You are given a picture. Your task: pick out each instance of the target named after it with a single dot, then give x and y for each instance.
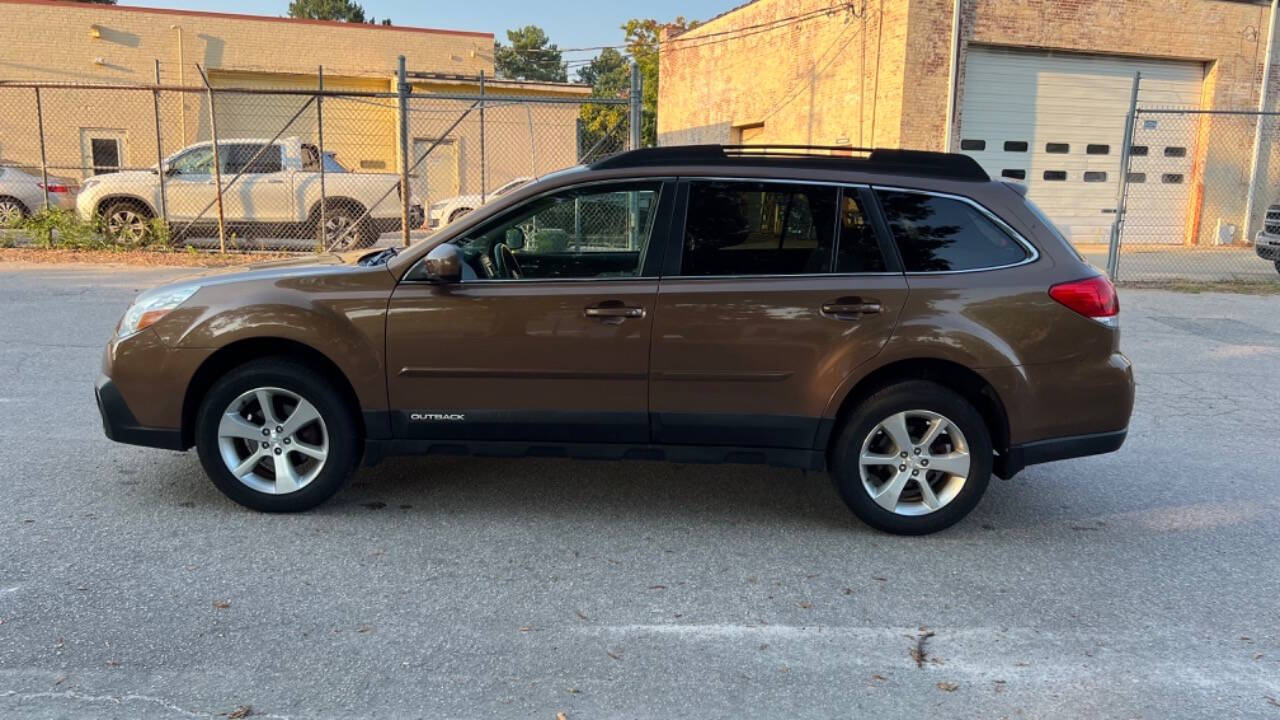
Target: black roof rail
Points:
(827, 157)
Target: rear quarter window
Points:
(944, 234)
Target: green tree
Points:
(642, 45)
(530, 56)
(344, 10)
(604, 128)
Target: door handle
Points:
(274, 182)
(851, 308)
(614, 311)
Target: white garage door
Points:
(1056, 121)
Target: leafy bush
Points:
(55, 228)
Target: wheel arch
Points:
(105, 201)
(335, 201)
(952, 375)
(248, 350)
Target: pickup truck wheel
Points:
(914, 458)
(343, 232)
(126, 221)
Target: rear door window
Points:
(253, 158)
(758, 228)
(941, 234)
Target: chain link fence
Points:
(233, 167)
(1195, 200)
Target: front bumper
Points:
(121, 426)
(1267, 246)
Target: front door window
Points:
(598, 231)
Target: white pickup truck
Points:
(276, 196)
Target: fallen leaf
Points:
(113, 663)
(240, 713)
(1272, 700)
(1257, 657)
(364, 629)
(878, 579)
(574, 691)
(221, 604)
(847, 591)
(878, 677)
(60, 680)
(612, 654)
(581, 616)
(526, 628)
(948, 686)
(657, 587)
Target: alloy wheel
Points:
(339, 232)
(10, 213)
(127, 224)
(914, 462)
(273, 440)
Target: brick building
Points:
(88, 131)
(1040, 93)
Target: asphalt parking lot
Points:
(1141, 584)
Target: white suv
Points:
(277, 194)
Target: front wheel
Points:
(273, 435)
(913, 458)
(1278, 266)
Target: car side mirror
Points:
(514, 239)
(443, 264)
(170, 171)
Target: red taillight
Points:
(1093, 297)
(53, 187)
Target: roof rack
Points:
(845, 157)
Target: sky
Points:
(569, 23)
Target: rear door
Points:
(772, 293)
(262, 194)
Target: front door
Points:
(546, 338)
(776, 292)
(189, 190)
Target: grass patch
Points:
(1195, 287)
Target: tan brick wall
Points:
(808, 82)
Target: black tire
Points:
(365, 232)
(17, 207)
(135, 209)
(908, 396)
(339, 420)
(1278, 266)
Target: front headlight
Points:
(153, 305)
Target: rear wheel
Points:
(274, 435)
(913, 458)
(11, 211)
(346, 227)
(126, 221)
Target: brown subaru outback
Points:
(895, 317)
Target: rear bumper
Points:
(121, 426)
(1065, 448)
